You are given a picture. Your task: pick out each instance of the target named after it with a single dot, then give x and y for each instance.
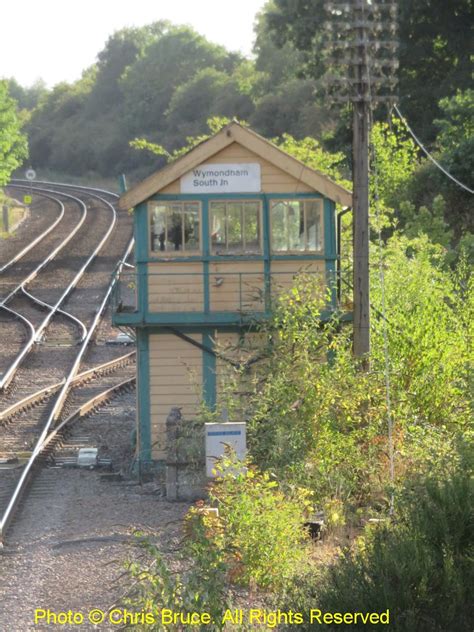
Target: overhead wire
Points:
(427, 153)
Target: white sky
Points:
(57, 39)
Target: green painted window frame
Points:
(274, 200)
(247, 200)
(166, 254)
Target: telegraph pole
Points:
(360, 200)
(361, 50)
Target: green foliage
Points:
(430, 318)
(434, 49)
(214, 125)
(396, 160)
(324, 424)
(13, 144)
(261, 528)
(425, 221)
(311, 153)
(316, 423)
(257, 539)
(171, 61)
(210, 90)
(419, 566)
(27, 98)
(200, 587)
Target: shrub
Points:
(257, 540)
(419, 566)
(261, 527)
(200, 587)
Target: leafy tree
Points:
(27, 98)
(13, 143)
(176, 57)
(435, 49)
(210, 90)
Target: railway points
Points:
(59, 291)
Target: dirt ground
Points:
(67, 547)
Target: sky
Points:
(57, 39)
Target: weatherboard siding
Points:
(284, 274)
(175, 287)
(236, 286)
(175, 380)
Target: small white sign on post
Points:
(218, 435)
(30, 174)
(223, 178)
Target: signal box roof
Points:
(235, 133)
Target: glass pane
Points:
(175, 230)
(191, 230)
(158, 228)
(295, 227)
(313, 225)
(251, 227)
(278, 219)
(234, 227)
(217, 227)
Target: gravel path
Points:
(68, 544)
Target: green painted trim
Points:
(200, 320)
(205, 250)
(306, 257)
(209, 378)
(224, 258)
(231, 196)
(142, 287)
(267, 253)
(142, 233)
(143, 397)
(330, 250)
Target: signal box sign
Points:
(27, 199)
(223, 178)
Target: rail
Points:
(63, 392)
(10, 372)
(40, 237)
(81, 378)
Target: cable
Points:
(435, 162)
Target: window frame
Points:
(166, 254)
(258, 252)
(276, 200)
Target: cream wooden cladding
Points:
(175, 380)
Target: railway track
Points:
(39, 416)
(33, 319)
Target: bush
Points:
(257, 540)
(323, 424)
(262, 527)
(419, 566)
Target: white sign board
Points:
(218, 436)
(30, 174)
(223, 178)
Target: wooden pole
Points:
(360, 176)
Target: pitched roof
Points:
(234, 132)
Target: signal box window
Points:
(175, 227)
(235, 228)
(296, 226)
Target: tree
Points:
(13, 143)
(27, 98)
(175, 58)
(209, 91)
(435, 49)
